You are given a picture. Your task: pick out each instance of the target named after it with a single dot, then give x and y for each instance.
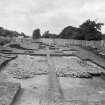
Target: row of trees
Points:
(47, 34)
(88, 30)
(8, 33)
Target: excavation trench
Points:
(38, 87)
(41, 86)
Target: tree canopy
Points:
(47, 34)
(91, 30)
(69, 32)
(36, 34)
(8, 33)
(88, 30)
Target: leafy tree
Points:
(90, 30)
(46, 34)
(22, 34)
(69, 33)
(8, 33)
(36, 34)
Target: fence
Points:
(63, 42)
(68, 42)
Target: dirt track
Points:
(54, 94)
(55, 91)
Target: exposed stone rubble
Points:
(28, 67)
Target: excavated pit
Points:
(32, 73)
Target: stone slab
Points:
(8, 91)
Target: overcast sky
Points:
(53, 15)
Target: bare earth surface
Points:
(54, 80)
(8, 92)
(37, 88)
